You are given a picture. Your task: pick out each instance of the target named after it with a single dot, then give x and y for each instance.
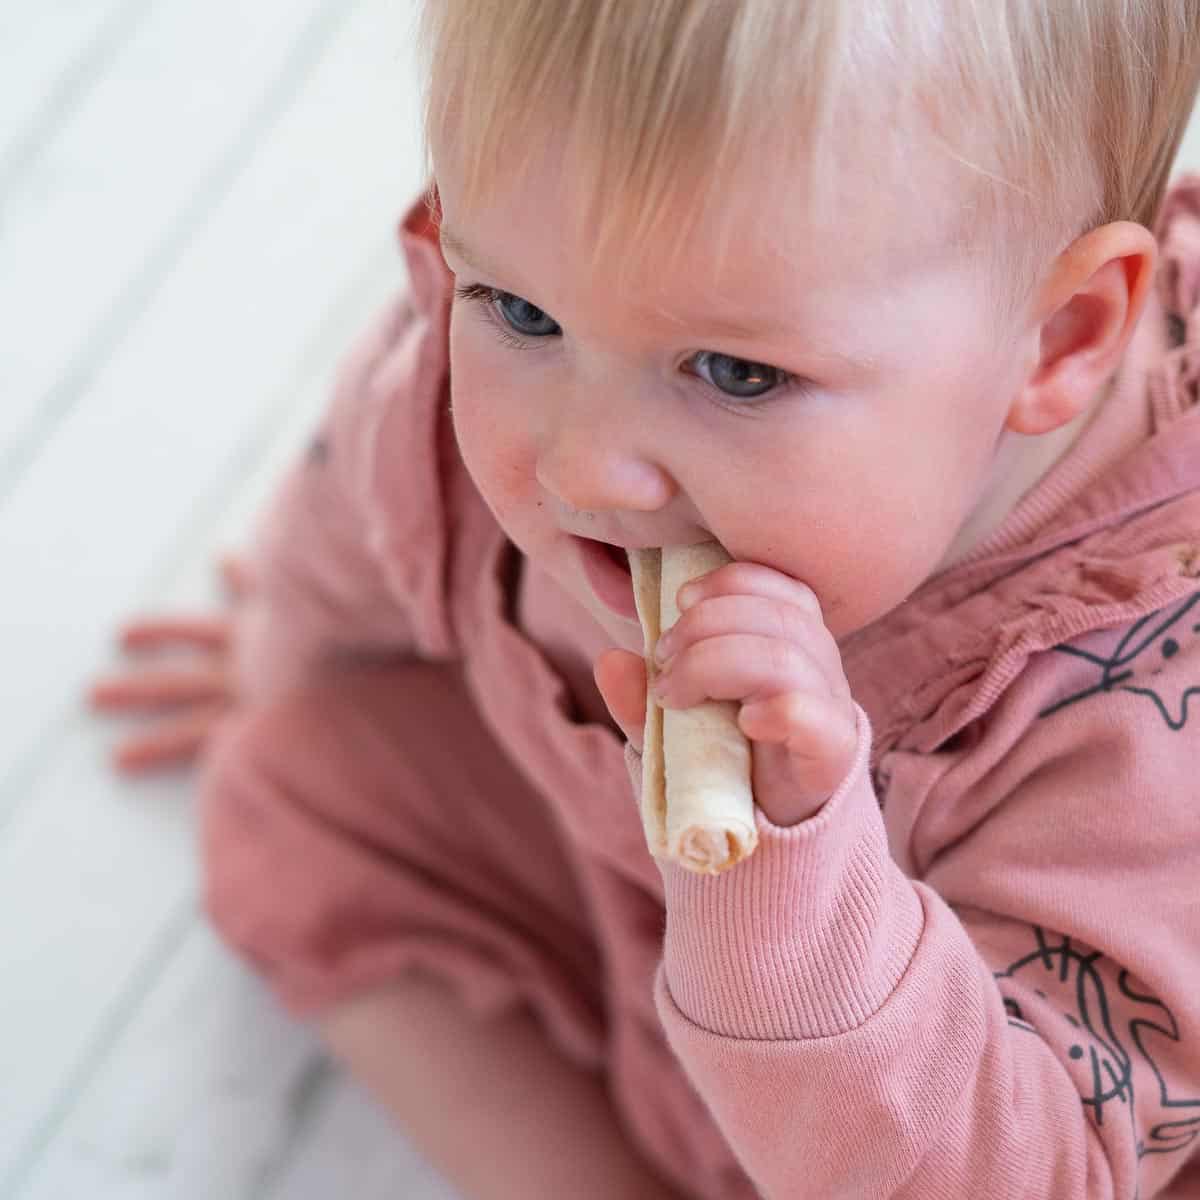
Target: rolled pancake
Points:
(697, 804)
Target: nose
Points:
(598, 465)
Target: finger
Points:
(809, 727)
(235, 574)
(148, 633)
(752, 579)
(816, 738)
(153, 689)
(765, 615)
(621, 677)
(178, 740)
(745, 667)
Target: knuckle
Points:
(708, 666)
(701, 656)
(781, 655)
(684, 629)
(734, 576)
(799, 712)
(789, 625)
(807, 599)
(703, 620)
(755, 578)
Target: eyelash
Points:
(484, 298)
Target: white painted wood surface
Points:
(197, 204)
(198, 212)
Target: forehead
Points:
(756, 235)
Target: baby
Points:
(894, 303)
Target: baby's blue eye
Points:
(738, 376)
(527, 319)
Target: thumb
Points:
(621, 677)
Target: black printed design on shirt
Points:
(1139, 656)
(1176, 330)
(1115, 1028)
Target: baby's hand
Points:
(201, 691)
(752, 634)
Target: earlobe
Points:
(1093, 299)
(1043, 408)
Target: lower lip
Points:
(612, 586)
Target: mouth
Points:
(615, 554)
(606, 568)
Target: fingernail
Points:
(664, 649)
(686, 596)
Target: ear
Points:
(1084, 315)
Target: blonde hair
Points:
(1062, 114)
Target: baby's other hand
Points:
(197, 693)
(621, 677)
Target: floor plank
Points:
(213, 1092)
(352, 1149)
(52, 51)
(103, 213)
(197, 1099)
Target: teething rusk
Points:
(697, 805)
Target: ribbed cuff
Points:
(808, 936)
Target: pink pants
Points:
(369, 824)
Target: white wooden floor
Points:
(197, 204)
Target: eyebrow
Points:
(452, 242)
(719, 326)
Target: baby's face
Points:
(828, 403)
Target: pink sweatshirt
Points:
(976, 971)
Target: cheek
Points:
(491, 435)
(860, 508)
